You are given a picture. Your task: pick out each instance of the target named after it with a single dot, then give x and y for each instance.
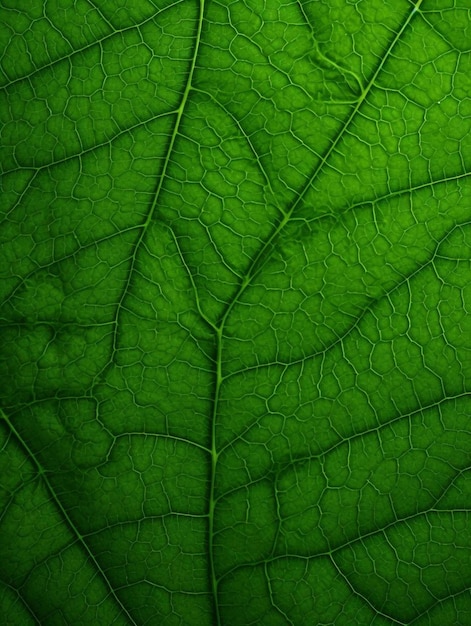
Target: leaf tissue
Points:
(235, 312)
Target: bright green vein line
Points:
(262, 253)
(180, 112)
(218, 381)
(74, 530)
(350, 118)
(158, 191)
(88, 46)
(250, 274)
(214, 459)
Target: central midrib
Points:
(255, 266)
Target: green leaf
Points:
(235, 321)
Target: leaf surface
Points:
(235, 286)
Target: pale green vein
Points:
(43, 475)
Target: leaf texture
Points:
(235, 286)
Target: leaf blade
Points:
(235, 295)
